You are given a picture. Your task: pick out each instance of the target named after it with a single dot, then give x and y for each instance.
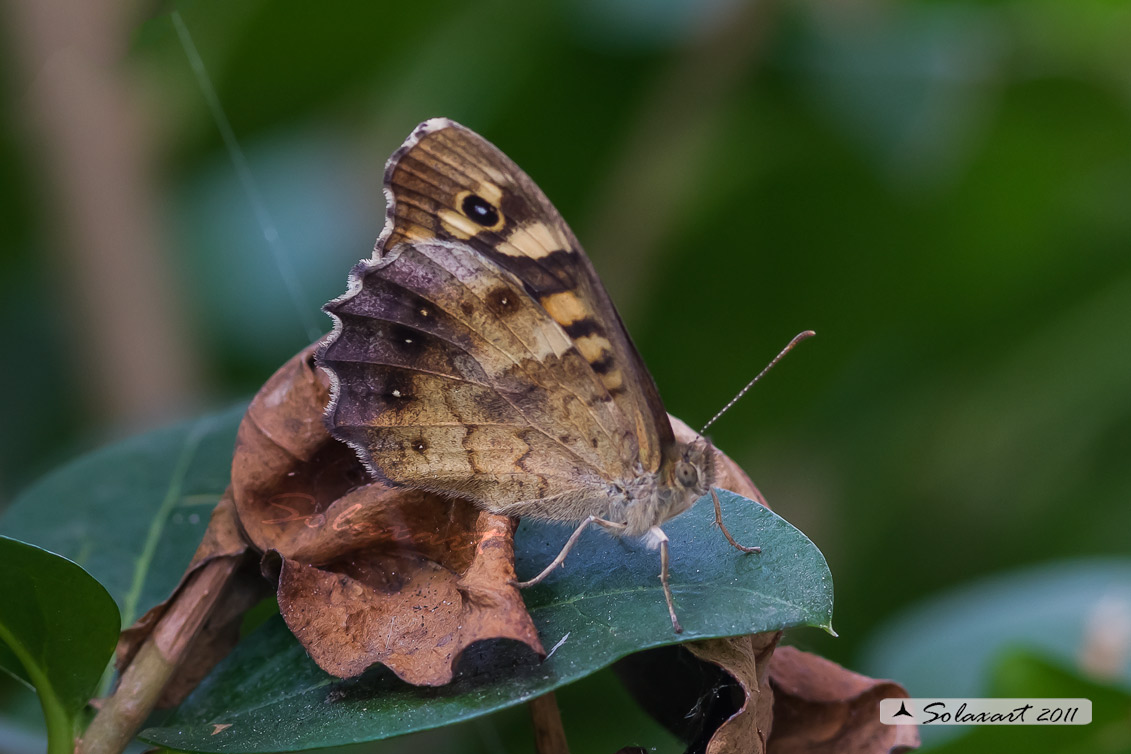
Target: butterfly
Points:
(478, 355)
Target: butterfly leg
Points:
(719, 523)
(657, 535)
(612, 526)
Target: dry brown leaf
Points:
(689, 697)
(365, 573)
(368, 573)
(287, 470)
(410, 603)
(746, 659)
(224, 537)
(735, 696)
(222, 540)
(821, 707)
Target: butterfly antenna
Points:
(789, 347)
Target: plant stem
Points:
(549, 735)
(59, 722)
(142, 682)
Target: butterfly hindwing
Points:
(450, 377)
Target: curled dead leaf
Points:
(368, 573)
(744, 694)
(746, 659)
(364, 573)
(822, 707)
(286, 470)
(222, 541)
(410, 602)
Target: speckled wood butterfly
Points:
(478, 355)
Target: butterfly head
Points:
(687, 473)
(690, 475)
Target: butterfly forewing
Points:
(448, 183)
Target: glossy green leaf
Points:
(61, 626)
(605, 603)
(133, 513)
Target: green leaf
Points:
(133, 513)
(61, 625)
(1021, 674)
(605, 603)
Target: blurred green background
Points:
(942, 190)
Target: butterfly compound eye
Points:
(686, 473)
(480, 210)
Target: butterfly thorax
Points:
(650, 499)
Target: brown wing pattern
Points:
(450, 184)
(451, 378)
